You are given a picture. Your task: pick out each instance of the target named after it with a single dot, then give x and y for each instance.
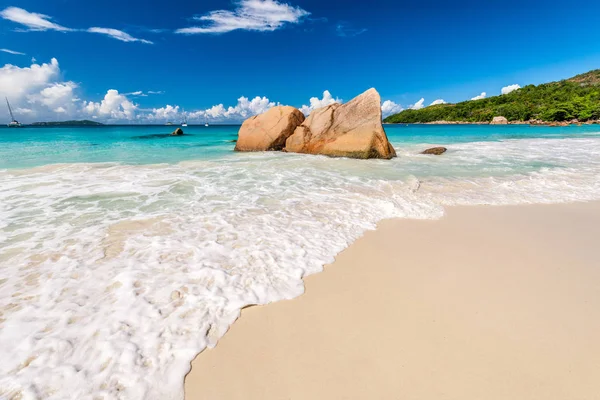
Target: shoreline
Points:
(488, 302)
(531, 123)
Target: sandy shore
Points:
(486, 303)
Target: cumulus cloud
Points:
(251, 15)
(481, 96)
(17, 82)
(315, 102)
(510, 88)
(33, 21)
(117, 34)
(18, 53)
(59, 97)
(438, 101)
(114, 106)
(166, 113)
(418, 105)
(37, 92)
(389, 107)
(243, 109)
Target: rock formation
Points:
(499, 121)
(435, 151)
(177, 132)
(350, 130)
(269, 130)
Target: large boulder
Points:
(351, 130)
(499, 121)
(177, 132)
(269, 130)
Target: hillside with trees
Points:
(566, 100)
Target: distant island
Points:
(574, 100)
(84, 122)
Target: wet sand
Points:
(486, 303)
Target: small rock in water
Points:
(177, 132)
(435, 151)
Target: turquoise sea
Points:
(35, 146)
(125, 251)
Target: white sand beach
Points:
(486, 303)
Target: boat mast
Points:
(12, 117)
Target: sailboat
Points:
(13, 122)
(184, 122)
(206, 122)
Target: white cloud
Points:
(510, 88)
(418, 105)
(37, 91)
(22, 110)
(18, 53)
(117, 34)
(315, 102)
(59, 97)
(167, 113)
(57, 93)
(140, 93)
(481, 96)
(243, 109)
(438, 101)
(17, 82)
(33, 21)
(214, 112)
(252, 15)
(389, 107)
(114, 106)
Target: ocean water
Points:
(124, 252)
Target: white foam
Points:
(113, 277)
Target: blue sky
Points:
(286, 52)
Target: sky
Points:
(136, 61)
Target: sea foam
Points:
(113, 277)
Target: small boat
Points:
(13, 122)
(206, 122)
(184, 122)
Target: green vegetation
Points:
(68, 123)
(574, 98)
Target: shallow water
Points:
(123, 254)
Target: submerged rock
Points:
(177, 132)
(350, 130)
(269, 130)
(499, 121)
(435, 151)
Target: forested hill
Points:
(84, 122)
(574, 98)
